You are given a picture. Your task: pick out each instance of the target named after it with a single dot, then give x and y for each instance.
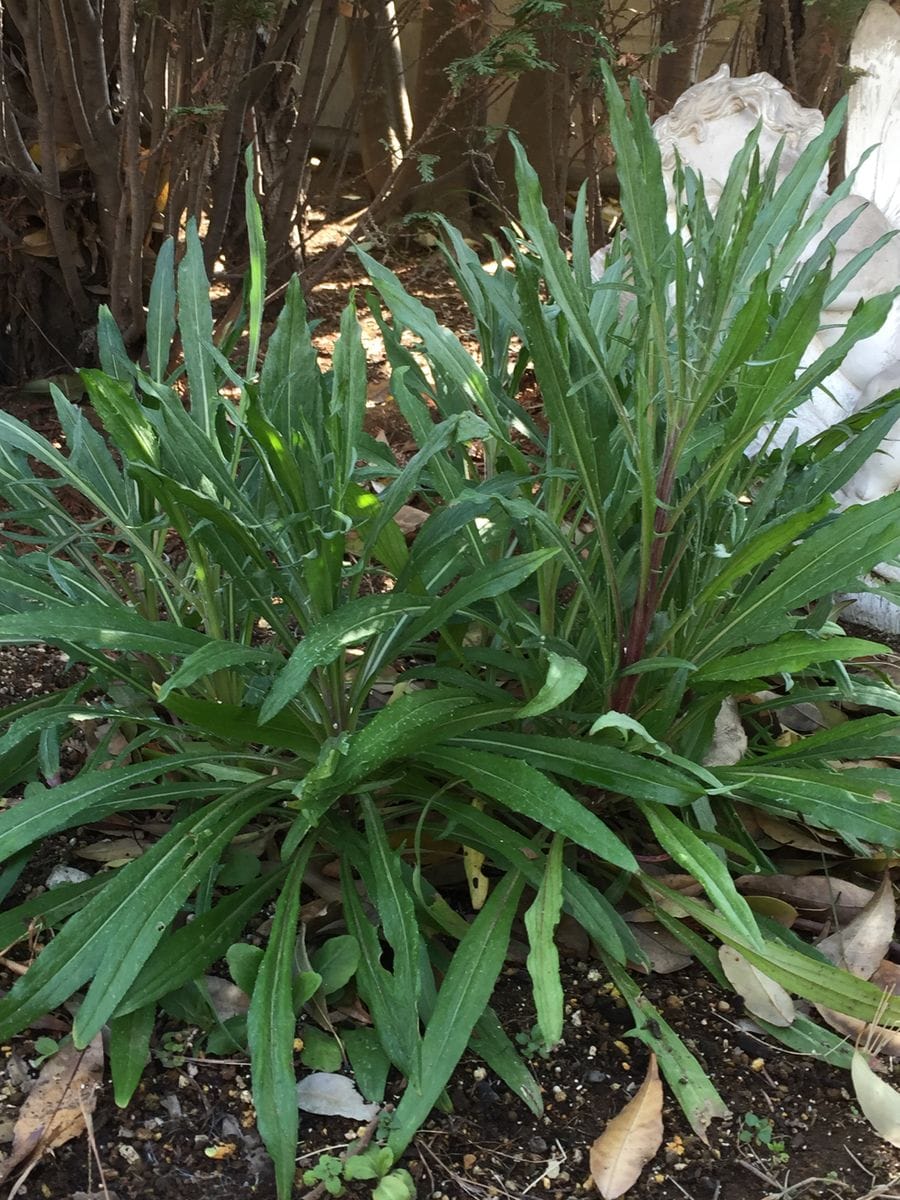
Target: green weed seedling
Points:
(760, 1132)
(372, 1164)
(44, 1048)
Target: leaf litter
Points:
(57, 1108)
(630, 1139)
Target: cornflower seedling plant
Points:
(527, 690)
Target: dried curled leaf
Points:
(729, 741)
(630, 1139)
(878, 1101)
(763, 997)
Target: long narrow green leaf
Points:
(699, 1100)
(161, 311)
(151, 891)
(541, 920)
(859, 805)
(49, 909)
(257, 274)
(581, 900)
(604, 767)
(524, 790)
(112, 627)
(187, 951)
(271, 1024)
(346, 626)
(465, 991)
(92, 796)
(698, 859)
(394, 906)
(831, 559)
(214, 656)
(196, 325)
(129, 1050)
(790, 653)
(821, 982)
(395, 1019)
(140, 900)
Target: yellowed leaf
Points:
(763, 997)
(112, 850)
(473, 860)
(630, 1139)
(863, 942)
(770, 906)
(878, 1101)
(56, 1108)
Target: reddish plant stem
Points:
(648, 601)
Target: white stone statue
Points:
(706, 128)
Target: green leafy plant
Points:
(372, 1164)
(554, 646)
(760, 1132)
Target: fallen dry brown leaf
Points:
(857, 1031)
(887, 977)
(663, 949)
(763, 997)
(814, 895)
(56, 1108)
(863, 942)
(787, 834)
(880, 1103)
(630, 1139)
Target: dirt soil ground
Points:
(190, 1131)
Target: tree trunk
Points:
(438, 172)
(685, 25)
(805, 45)
(540, 113)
